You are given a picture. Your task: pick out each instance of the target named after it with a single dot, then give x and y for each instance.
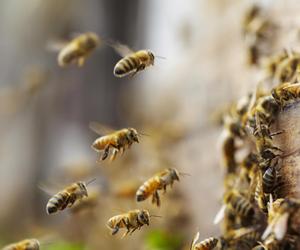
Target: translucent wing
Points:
(121, 49)
(56, 45)
(100, 129)
(220, 215)
(196, 238)
(280, 226)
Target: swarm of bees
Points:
(254, 215)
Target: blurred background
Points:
(45, 111)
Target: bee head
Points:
(144, 217)
(133, 135)
(174, 174)
(92, 40)
(83, 188)
(151, 56)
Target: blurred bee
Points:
(279, 213)
(118, 140)
(271, 63)
(247, 240)
(131, 220)
(28, 244)
(288, 69)
(126, 190)
(229, 152)
(77, 50)
(67, 197)
(286, 93)
(132, 61)
(157, 182)
(207, 244)
(238, 203)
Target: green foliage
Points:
(64, 246)
(160, 240)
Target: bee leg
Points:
(155, 198)
(133, 230)
(105, 153)
(115, 230)
(114, 154)
(80, 61)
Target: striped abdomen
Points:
(207, 244)
(269, 180)
(102, 142)
(29, 244)
(241, 205)
(127, 65)
(57, 202)
(69, 54)
(148, 188)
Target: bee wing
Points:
(267, 231)
(56, 45)
(46, 189)
(280, 226)
(122, 49)
(100, 129)
(220, 215)
(292, 85)
(196, 238)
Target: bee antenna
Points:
(184, 174)
(91, 181)
(157, 216)
(143, 134)
(161, 57)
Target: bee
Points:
(132, 61)
(238, 203)
(28, 244)
(248, 240)
(279, 213)
(131, 220)
(262, 115)
(271, 64)
(117, 140)
(288, 69)
(269, 179)
(67, 197)
(207, 244)
(157, 182)
(259, 195)
(228, 147)
(77, 50)
(286, 93)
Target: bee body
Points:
(133, 63)
(132, 220)
(286, 93)
(269, 179)
(154, 184)
(78, 49)
(239, 204)
(207, 244)
(117, 140)
(67, 197)
(28, 244)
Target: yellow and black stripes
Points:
(269, 180)
(207, 244)
(57, 202)
(126, 65)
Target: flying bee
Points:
(279, 213)
(157, 182)
(67, 197)
(207, 244)
(238, 203)
(286, 93)
(132, 61)
(131, 220)
(28, 244)
(77, 50)
(117, 140)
